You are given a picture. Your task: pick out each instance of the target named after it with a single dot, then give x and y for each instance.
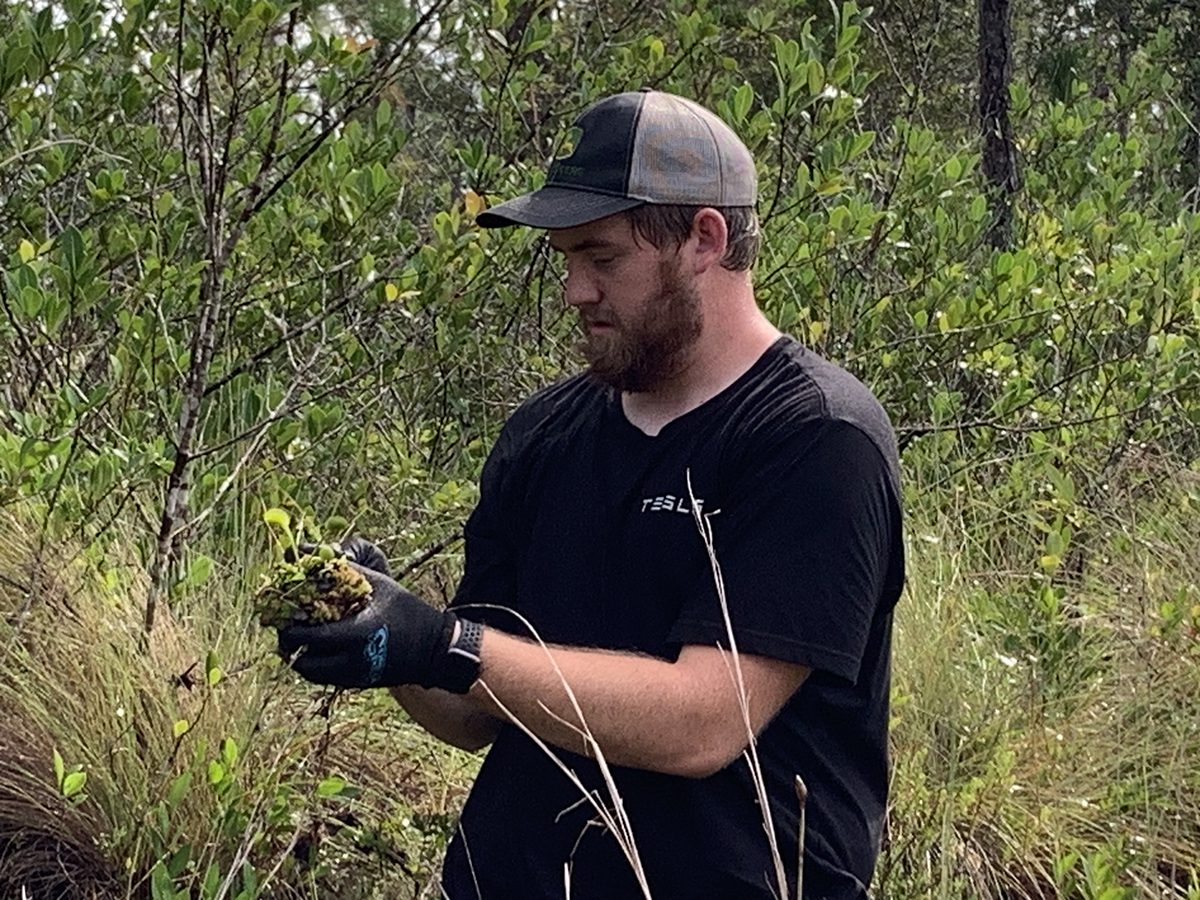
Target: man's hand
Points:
(397, 639)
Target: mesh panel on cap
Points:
(684, 154)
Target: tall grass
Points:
(1046, 730)
(227, 784)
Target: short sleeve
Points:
(804, 539)
(489, 571)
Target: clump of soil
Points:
(317, 588)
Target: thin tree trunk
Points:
(999, 150)
(1188, 41)
(210, 157)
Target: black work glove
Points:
(358, 549)
(395, 639)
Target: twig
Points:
(751, 752)
(802, 803)
(427, 554)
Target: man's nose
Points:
(579, 290)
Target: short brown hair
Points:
(662, 224)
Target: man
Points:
(695, 414)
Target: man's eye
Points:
(604, 262)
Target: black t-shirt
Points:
(584, 526)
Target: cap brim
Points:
(554, 207)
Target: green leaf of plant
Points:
(743, 99)
(212, 882)
(160, 883)
(179, 860)
(59, 769)
(331, 786)
(178, 788)
(278, 518)
(199, 570)
(862, 142)
(180, 728)
(73, 783)
(71, 242)
(249, 878)
(816, 77)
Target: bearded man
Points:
(592, 641)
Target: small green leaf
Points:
(73, 783)
(249, 879)
(743, 99)
(277, 517)
(180, 728)
(163, 203)
(160, 883)
(216, 772)
(229, 752)
(816, 77)
(199, 570)
(212, 882)
(71, 242)
(59, 769)
(861, 143)
(179, 860)
(178, 788)
(383, 114)
(331, 786)
(26, 251)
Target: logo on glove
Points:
(375, 653)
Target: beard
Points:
(638, 356)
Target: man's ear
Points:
(709, 239)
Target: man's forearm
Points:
(641, 711)
(453, 718)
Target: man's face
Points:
(640, 313)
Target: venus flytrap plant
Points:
(307, 587)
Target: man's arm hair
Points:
(679, 718)
(453, 718)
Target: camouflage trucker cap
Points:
(635, 148)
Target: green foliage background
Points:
(240, 271)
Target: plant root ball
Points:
(312, 590)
